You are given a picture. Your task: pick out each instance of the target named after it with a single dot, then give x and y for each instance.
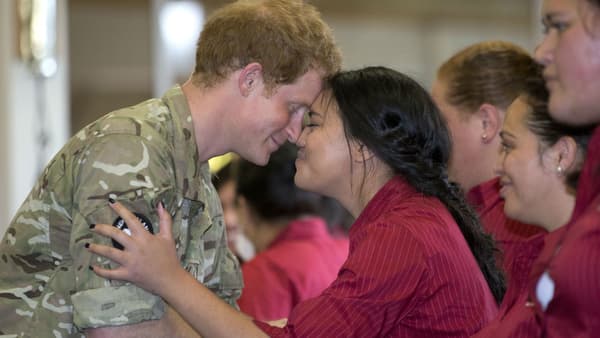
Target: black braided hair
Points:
(397, 120)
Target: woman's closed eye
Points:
(309, 121)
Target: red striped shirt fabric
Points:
(511, 236)
(409, 273)
(300, 263)
(517, 316)
(573, 264)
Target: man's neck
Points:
(209, 108)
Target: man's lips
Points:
(549, 77)
(277, 142)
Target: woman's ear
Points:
(360, 152)
(491, 121)
(250, 77)
(562, 156)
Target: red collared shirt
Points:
(409, 273)
(510, 235)
(517, 316)
(302, 261)
(571, 268)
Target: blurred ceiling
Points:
(500, 9)
(495, 9)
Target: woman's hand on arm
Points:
(150, 261)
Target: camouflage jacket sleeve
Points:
(138, 173)
(205, 253)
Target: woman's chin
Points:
(300, 179)
(511, 212)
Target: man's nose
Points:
(294, 128)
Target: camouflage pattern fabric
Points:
(139, 156)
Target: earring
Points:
(484, 137)
(560, 170)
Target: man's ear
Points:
(250, 77)
(490, 118)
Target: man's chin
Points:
(262, 160)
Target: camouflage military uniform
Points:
(139, 156)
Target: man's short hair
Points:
(287, 37)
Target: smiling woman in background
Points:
(539, 166)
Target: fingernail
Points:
(87, 245)
(92, 226)
(111, 200)
(162, 204)
(91, 267)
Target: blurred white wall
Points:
(418, 40)
(415, 47)
(174, 44)
(20, 121)
(6, 20)
(110, 56)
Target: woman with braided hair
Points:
(419, 264)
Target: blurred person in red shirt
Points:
(297, 257)
(224, 181)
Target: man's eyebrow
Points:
(551, 16)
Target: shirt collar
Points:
(395, 189)
(190, 172)
(485, 195)
(589, 180)
(306, 228)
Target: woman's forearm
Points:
(206, 312)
